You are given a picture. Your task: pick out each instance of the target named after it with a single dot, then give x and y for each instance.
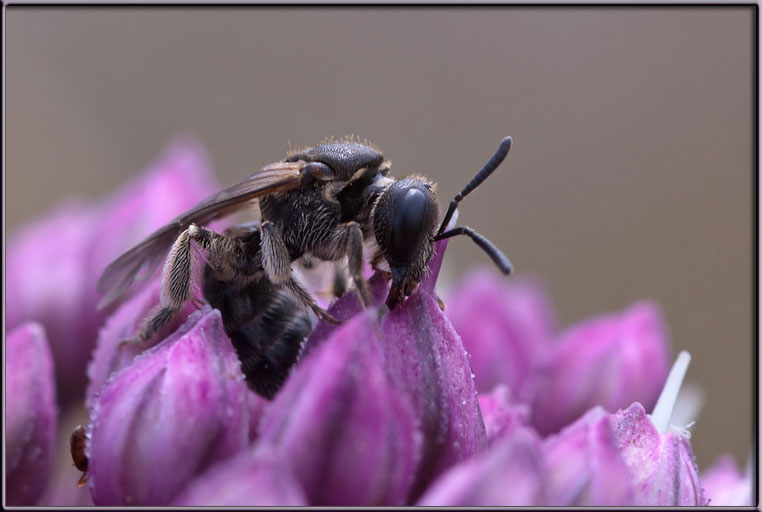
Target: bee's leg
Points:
(355, 260)
(347, 239)
(277, 264)
(176, 278)
(339, 284)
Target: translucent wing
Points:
(146, 256)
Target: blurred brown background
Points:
(630, 175)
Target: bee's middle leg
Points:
(176, 277)
(277, 265)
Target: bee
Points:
(333, 202)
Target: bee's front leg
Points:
(277, 265)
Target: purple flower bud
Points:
(349, 436)
(611, 361)
(49, 287)
(175, 410)
(511, 473)
(65, 300)
(658, 455)
(110, 354)
(252, 479)
(725, 485)
(662, 465)
(426, 360)
(506, 326)
(502, 416)
(585, 466)
(30, 414)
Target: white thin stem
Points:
(666, 403)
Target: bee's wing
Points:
(120, 274)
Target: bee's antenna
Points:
(492, 251)
(489, 168)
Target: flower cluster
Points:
(484, 403)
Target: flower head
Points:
(381, 410)
(30, 414)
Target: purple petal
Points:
(611, 361)
(110, 355)
(724, 485)
(662, 466)
(343, 309)
(426, 360)
(502, 416)
(510, 474)
(505, 324)
(348, 435)
(30, 414)
(174, 411)
(253, 479)
(585, 466)
(65, 300)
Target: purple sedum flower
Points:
(256, 478)
(30, 413)
(585, 466)
(175, 410)
(511, 473)
(58, 288)
(611, 360)
(505, 324)
(725, 485)
(349, 436)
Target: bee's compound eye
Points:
(407, 226)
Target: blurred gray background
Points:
(630, 175)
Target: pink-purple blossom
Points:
(486, 403)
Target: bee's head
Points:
(404, 221)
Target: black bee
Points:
(330, 202)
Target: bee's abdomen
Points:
(266, 327)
